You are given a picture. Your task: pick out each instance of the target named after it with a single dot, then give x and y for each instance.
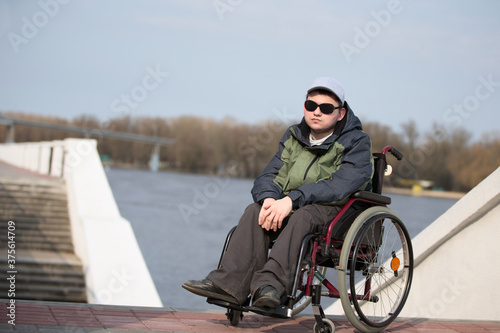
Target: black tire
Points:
(382, 245)
(234, 316)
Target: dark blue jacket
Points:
(324, 174)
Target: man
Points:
(320, 162)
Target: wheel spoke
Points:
(376, 239)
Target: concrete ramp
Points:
(456, 267)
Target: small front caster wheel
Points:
(329, 327)
(234, 316)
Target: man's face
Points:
(322, 124)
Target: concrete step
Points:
(53, 240)
(24, 199)
(44, 235)
(39, 293)
(35, 239)
(45, 246)
(45, 230)
(49, 234)
(42, 226)
(53, 271)
(52, 185)
(46, 275)
(41, 278)
(21, 220)
(45, 210)
(47, 268)
(33, 185)
(29, 197)
(34, 203)
(57, 274)
(45, 213)
(35, 207)
(47, 261)
(38, 202)
(18, 193)
(50, 190)
(19, 217)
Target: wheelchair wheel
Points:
(329, 327)
(234, 316)
(376, 269)
(303, 301)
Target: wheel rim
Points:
(385, 262)
(363, 322)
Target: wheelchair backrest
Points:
(372, 237)
(340, 229)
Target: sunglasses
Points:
(325, 108)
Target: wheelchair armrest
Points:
(370, 196)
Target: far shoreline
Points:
(424, 193)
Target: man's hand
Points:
(273, 212)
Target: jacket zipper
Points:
(310, 165)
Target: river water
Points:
(181, 221)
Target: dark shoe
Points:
(266, 297)
(208, 289)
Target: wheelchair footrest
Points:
(227, 305)
(279, 312)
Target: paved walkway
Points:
(52, 317)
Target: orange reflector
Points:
(395, 263)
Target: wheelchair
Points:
(372, 252)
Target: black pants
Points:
(246, 266)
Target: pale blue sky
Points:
(430, 61)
